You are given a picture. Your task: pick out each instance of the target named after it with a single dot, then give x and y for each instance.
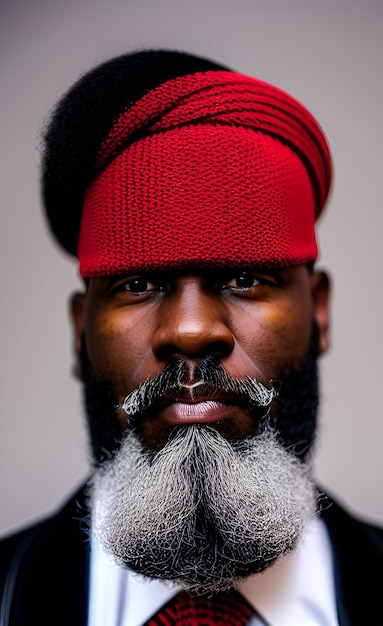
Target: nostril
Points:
(220, 348)
(217, 342)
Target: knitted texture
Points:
(221, 610)
(83, 117)
(209, 169)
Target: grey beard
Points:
(203, 512)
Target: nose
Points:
(192, 322)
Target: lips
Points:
(196, 402)
(201, 404)
(186, 412)
(232, 407)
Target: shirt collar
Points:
(298, 588)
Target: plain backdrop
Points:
(329, 55)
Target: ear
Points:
(320, 289)
(77, 314)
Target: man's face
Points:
(255, 324)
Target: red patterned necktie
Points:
(223, 609)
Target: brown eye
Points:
(138, 285)
(244, 280)
(248, 281)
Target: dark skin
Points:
(257, 323)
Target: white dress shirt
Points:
(298, 590)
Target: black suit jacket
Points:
(44, 570)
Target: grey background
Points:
(329, 55)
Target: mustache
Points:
(206, 380)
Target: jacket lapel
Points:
(358, 567)
(49, 571)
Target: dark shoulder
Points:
(357, 547)
(66, 520)
(18, 542)
(344, 525)
(42, 565)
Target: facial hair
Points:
(206, 379)
(202, 512)
(295, 421)
(205, 512)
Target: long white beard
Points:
(203, 511)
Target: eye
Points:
(141, 285)
(251, 282)
(244, 280)
(134, 286)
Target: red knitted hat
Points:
(209, 169)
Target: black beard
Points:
(295, 421)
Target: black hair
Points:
(82, 119)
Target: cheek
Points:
(291, 340)
(117, 346)
(276, 339)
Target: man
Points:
(189, 194)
